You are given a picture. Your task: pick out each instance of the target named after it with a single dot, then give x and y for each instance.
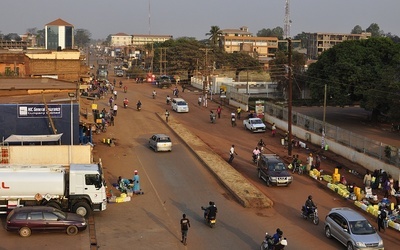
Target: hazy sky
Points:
(194, 18)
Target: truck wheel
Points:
(25, 232)
(259, 174)
(54, 205)
(72, 230)
(82, 208)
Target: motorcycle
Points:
(138, 107)
(268, 243)
(233, 121)
(313, 215)
(298, 168)
(126, 104)
(211, 221)
(154, 95)
(212, 118)
(125, 89)
(256, 158)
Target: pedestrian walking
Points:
(273, 129)
(310, 160)
(136, 182)
(166, 115)
(367, 179)
(199, 100)
(233, 119)
(110, 101)
(232, 153)
(115, 94)
(115, 109)
(185, 224)
(239, 111)
(219, 109)
(381, 219)
(112, 120)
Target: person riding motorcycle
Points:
(120, 84)
(138, 105)
(309, 205)
(125, 89)
(126, 101)
(256, 153)
(212, 116)
(211, 211)
(261, 143)
(277, 236)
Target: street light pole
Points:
(71, 97)
(323, 123)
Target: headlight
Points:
(381, 243)
(360, 244)
(273, 178)
(83, 223)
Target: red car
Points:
(40, 218)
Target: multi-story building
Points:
(241, 40)
(59, 35)
(141, 40)
(319, 42)
(121, 39)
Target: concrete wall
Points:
(364, 160)
(52, 154)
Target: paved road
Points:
(176, 182)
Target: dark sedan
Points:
(40, 218)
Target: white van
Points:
(180, 105)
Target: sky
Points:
(191, 18)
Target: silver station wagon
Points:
(160, 142)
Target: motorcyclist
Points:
(277, 236)
(120, 84)
(168, 99)
(126, 101)
(125, 89)
(309, 205)
(212, 116)
(138, 105)
(210, 211)
(256, 153)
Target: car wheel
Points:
(350, 246)
(25, 232)
(268, 182)
(82, 208)
(72, 230)
(328, 232)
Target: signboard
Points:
(260, 108)
(39, 111)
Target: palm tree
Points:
(214, 34)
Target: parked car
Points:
(254, 125)
(351, 229)
(273, 171)
(41, 218)
(160, 142)
(179, 105)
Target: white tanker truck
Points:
(79, 188)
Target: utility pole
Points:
(290, 99)
(205, 82)
(163, 61)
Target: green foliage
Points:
(82, 37)
(364, 71)
(275, 32)
(214, 34)
(357, 30)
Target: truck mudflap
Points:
(100, 206)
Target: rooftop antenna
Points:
(287, 21)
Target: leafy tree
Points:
(374, 30)
(12, 37)
(32, 31)
(240, 62)
(302, 37)
(275, 32)
(82, 37)
(108, 40)
(394, 38)
(40, 38)
(365, 71)
(357, 30)
(214, 34)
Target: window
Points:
(91, 179)
(35, 216)
(50, 216)
(21, 216)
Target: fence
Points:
(384, 152)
